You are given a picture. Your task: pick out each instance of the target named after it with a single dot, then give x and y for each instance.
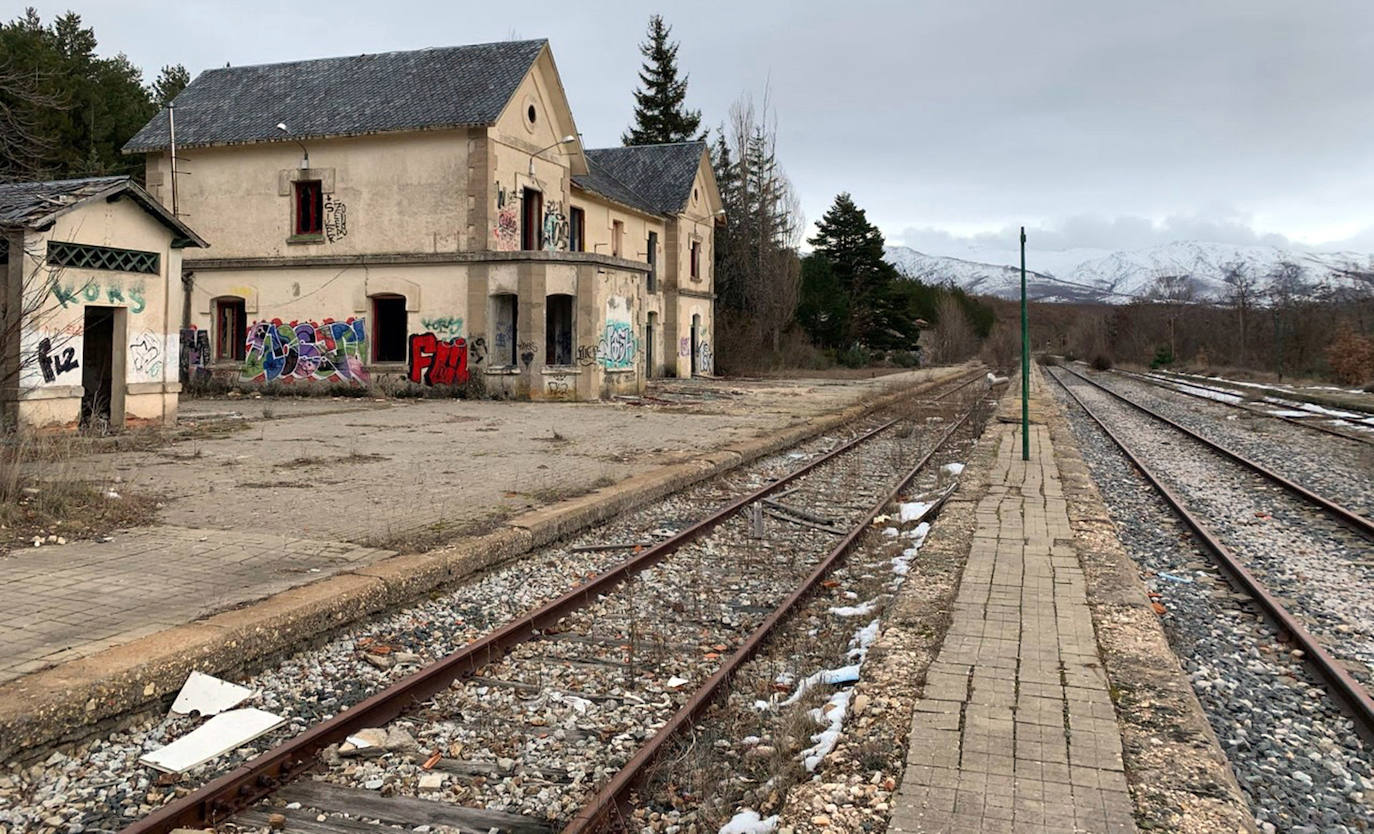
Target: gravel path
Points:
(1296, 757)
(1341, 470)
(99, 786)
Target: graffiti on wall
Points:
(335, 218)
(445, 327)
(526, 351)
(555, 227)
(684, 346)
(55, 361)
(705, 358)
(146, 356)
(195, 354)
(438, 361)
(477, 351)
(507, 228)
(616, 349)
(558, 387)
(331, 351)
(92, 292)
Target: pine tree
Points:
(659, 112)
(170, 81)
(854, 249)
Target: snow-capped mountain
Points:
(1119, 277)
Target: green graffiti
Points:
(91, 292)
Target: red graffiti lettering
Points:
(434, 361)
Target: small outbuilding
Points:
(91, 293)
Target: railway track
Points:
(628, 645)
(1258, 550)
(1235, 400)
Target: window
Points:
(309, 208)
(532, 225)
(652, 281)
(505, 318)
(577, 230)
(531, 114)
(231, 329)
(558, 330)
(389, 328)
(696, 260)
(81, 256)
(617, 237)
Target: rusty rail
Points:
(596, 815)
(1348, 691)
(261, 776)
(1345, 514)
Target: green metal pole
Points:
(1025, 358)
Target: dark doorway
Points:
(695, 321)
(558, 330)
(532, 220)
(97, 367)
(649, 345)
(389, 336)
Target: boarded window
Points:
(617, 238)
(231, 329)
(504, 321)
(577, 230)
(309, 207)
(389, 328)
(558, 330)
(696, 260)
(652, 285)
(81, 256)
(532, 223)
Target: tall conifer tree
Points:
(659, 112)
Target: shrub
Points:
(1102, 362)
(856, 356)
(1164, 355)
(905, 358)
(1351, 356)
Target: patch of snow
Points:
(915, 510)
(954, 469)
(862, 609)
(831, 714)
(749, 822)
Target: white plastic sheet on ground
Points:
(215, 737)
(208, 695)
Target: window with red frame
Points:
(309, 208)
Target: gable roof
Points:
(653, 178)
(423, 89)
(35, 205)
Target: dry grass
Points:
(42, 496)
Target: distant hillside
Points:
(1119, 277)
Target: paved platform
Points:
(317, 487)
(1015, 731)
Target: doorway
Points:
(696, 326)
(649, 345)
(98, 391)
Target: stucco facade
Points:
(92, 328)
(440, 253)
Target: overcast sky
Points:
(1096, 123)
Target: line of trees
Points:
(64, 110)
(773, 307)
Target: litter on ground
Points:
(208, 695)
(219, 735)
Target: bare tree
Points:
(24, 147)
(1241, 290)
(952, 339)
(30, 347)
(1176, 293)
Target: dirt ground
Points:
(398, 473)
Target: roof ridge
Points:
(702, 142)
(300, 61)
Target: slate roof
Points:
(653, 178)
(34, 205)
(360, 94)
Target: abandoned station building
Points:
(431, 215)
(91, 288)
